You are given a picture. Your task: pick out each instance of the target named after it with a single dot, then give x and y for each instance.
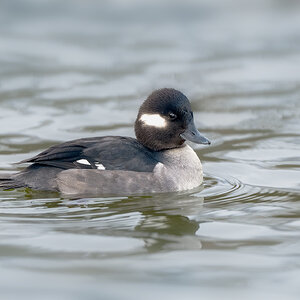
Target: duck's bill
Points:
(193, 135)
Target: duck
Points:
(158, 160)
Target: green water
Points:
(77, 69)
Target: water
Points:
(81, 68)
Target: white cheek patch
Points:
(99, 166)
(155, 120)
(83, 162)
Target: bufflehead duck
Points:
(158, 160)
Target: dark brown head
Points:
(165, 121)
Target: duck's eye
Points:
(172, 116)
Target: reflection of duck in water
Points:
(171, 224)
(167, 221)
(157, 161)
(162, 221)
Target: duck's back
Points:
(98, 154)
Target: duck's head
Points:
(165, 121)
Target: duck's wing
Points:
(102, 153)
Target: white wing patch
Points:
(99, 166)
(155, 120)
(83, 162)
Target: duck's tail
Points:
(8, 182)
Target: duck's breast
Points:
(180, 169)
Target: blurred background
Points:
(74, 68)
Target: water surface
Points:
(79, 69)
